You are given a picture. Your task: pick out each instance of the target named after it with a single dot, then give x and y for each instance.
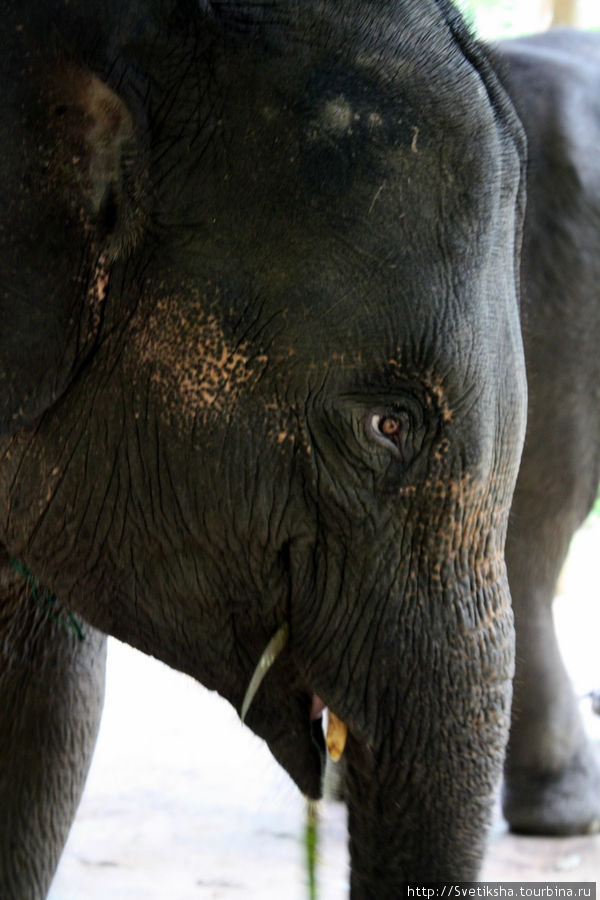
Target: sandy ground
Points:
(183, 802)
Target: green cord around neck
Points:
(48, 601)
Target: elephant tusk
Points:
(337, 732)
(269, 655)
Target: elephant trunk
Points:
(420, 800)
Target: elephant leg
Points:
(51, 693)
(552, 781)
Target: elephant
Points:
(295, 296)
(552, 783)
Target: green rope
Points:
(48, 602)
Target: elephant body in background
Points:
(263, 371)
(552, 783)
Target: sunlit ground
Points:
(183, 802)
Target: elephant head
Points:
(262, 368)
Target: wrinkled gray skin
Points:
(261, 361)
(552, 783)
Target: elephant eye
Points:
(392, 429)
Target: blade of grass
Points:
(311, 843)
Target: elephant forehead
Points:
(191, 363)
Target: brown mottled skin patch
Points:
(431, 382)
(193, 362)
(98, 290)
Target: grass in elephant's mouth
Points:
(311, 843)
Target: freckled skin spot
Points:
(415, 139)
(435, 386)
(98, 289)
(337, 116)
(193, 365)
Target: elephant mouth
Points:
(317, 707)
(297, 738)
(289, 720)
(300, 749)
(282, 710)
(298, 743)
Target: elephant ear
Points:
(70, 199)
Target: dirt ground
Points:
(183, 802)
